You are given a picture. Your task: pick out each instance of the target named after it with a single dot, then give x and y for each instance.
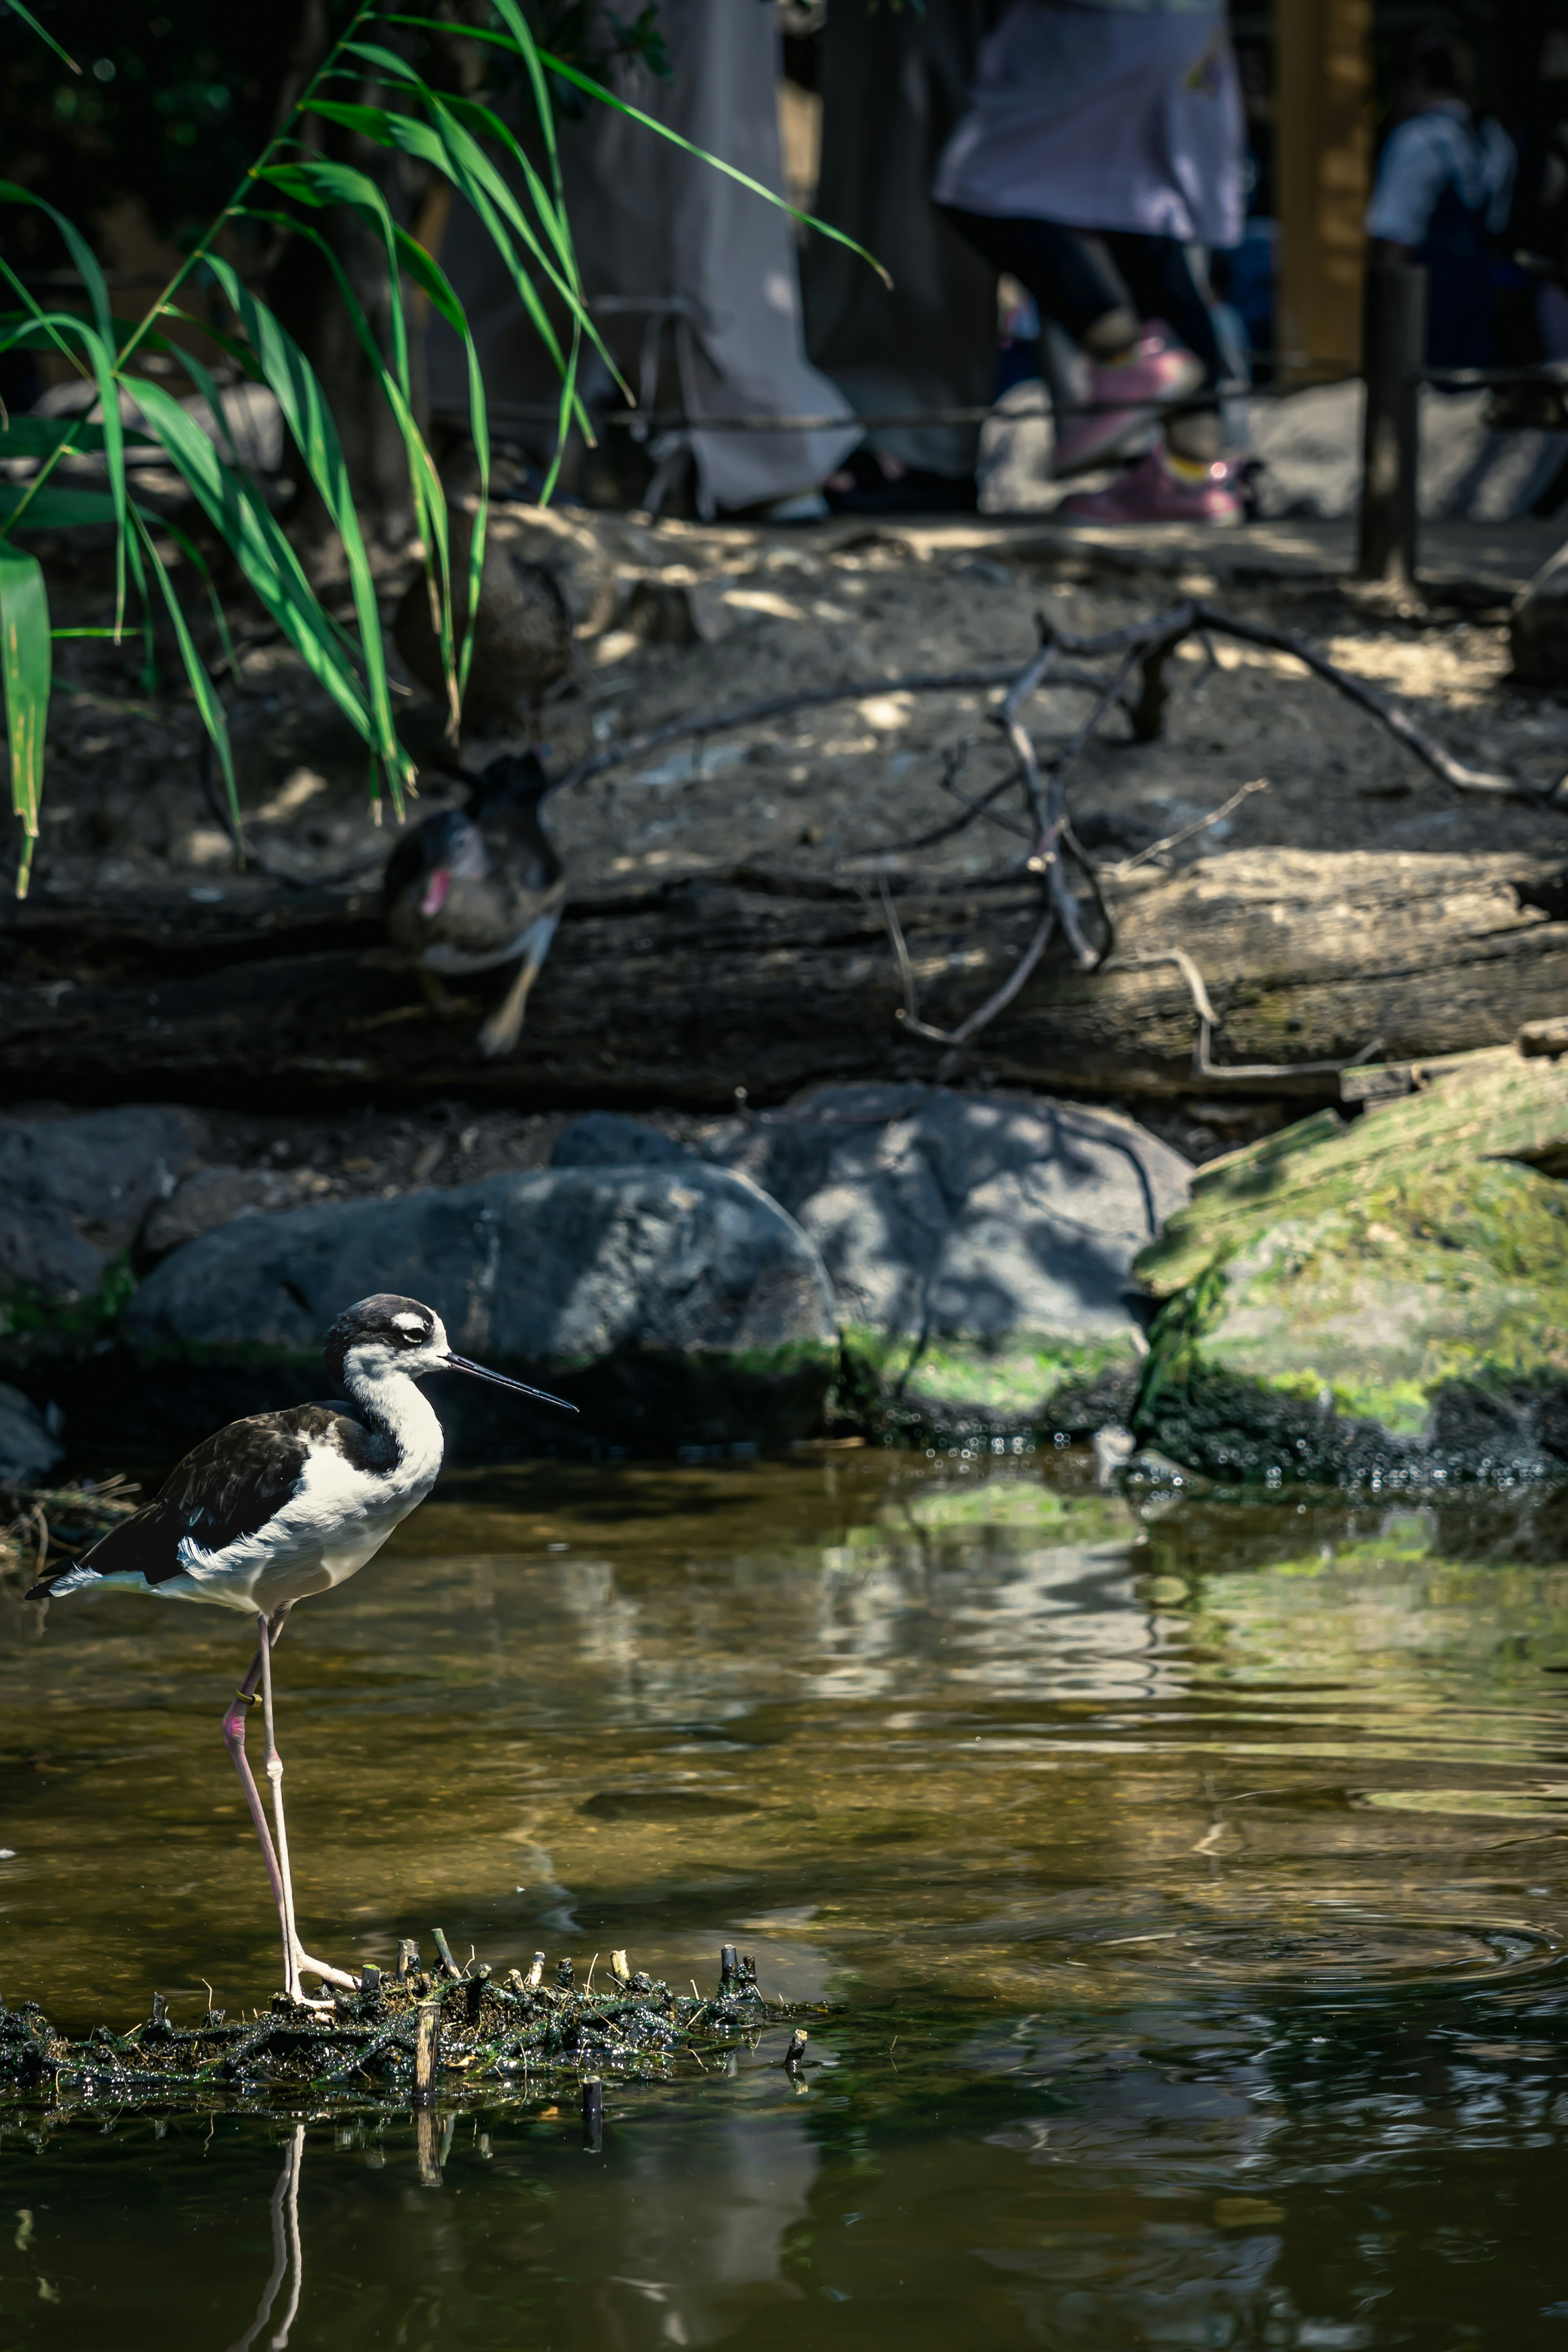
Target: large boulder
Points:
(73, 1192)
(673, 1305)
(28, 1447)
(979, 1247)
(1385, 1302)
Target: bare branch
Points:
(778, 706)
(1204, 1065)
(1173, 840)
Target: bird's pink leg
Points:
(299, 1960)
(234, 1739)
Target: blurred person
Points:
(691, 278)
(1443, 193)
(894, 84)
(1102, 142)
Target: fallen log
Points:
(687, 992)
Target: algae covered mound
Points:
(425, 2034)
(1383, 1301)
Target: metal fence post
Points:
(1395, 349)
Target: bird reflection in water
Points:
(287, 2259)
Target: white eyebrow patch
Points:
(409, 1322)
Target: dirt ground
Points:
(765, 612)
(680, 618)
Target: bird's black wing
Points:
(227, 1487)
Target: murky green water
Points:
(1194, 1890)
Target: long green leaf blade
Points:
(596, 89)
(309, 419)
(26, 664)
(270, 566)
(92, 278)
(48, 38)
(202, 686)
(650, 122)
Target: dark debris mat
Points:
(418, 2034)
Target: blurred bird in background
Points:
(473, 889)
(522, 637)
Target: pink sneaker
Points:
(1149, 492)
(1160, 369)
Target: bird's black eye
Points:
(410, 1338)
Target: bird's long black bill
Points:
(461, 1364)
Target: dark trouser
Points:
(1077, 274)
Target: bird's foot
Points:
(499, 1036)
(304, 1966)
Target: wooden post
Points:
(1391, 447)
(1322, 94)
(428, 2148)
(426, 2051)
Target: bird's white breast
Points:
(533, 942)
(339, 1516)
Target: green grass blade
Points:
(48, 38)
(149, 639)
(650, 122)
(104, 343)
(310, 420)
(26, 662)
(471, 171)
(424, 479)
(202, 686)
(51, 509)
(270, 566)
(596, 89)
(428, 273)
(320, 182)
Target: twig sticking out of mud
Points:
(37, 1521)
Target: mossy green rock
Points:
(1010, 1379)
(1386, 1301)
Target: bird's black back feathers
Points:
(227, 1487)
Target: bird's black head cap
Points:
(402, 1326)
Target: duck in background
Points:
(522, 637)
(473, 889)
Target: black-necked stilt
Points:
(469, 890)
(284, 1505)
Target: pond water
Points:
(1190, 1890)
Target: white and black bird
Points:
(473, 889)
(284, 1505)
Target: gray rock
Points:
(73, 1191)
(1538, 626)
(210, 1197)
(604, 1138)
(27, 1451)
(981, 1246)
(673, 1305)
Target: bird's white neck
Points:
(395, 1409)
